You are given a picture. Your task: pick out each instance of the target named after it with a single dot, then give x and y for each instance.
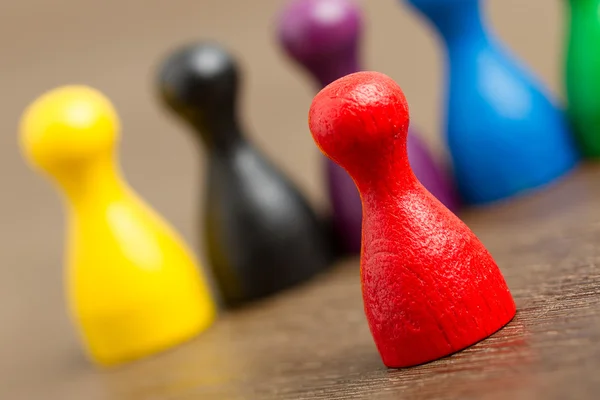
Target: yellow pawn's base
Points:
(114, 339)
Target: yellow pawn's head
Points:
(68, 126)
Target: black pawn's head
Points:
(199, 82)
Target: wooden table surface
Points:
(313, 342)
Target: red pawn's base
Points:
(391, 360)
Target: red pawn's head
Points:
(361, 122)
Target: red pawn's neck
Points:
(386, 176)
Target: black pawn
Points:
(261, 234)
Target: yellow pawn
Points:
(134, 288)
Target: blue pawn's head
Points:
(448, 16)
(434, 6)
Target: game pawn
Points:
(323, 37)
(430, 287)
(582, 73)
(134, 288)
(261, 234)
(506, 138)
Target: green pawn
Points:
(582, 78)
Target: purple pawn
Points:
(323, 37)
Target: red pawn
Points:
(430, 288)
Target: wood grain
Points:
(313, 342)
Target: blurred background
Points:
(115, 46)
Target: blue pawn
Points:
(504, 135)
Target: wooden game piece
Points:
(430, 288)
(582, 73)
(261, 234)
(323, 38)
(505, 136)
(133, 287)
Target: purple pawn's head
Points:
(322, 36)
